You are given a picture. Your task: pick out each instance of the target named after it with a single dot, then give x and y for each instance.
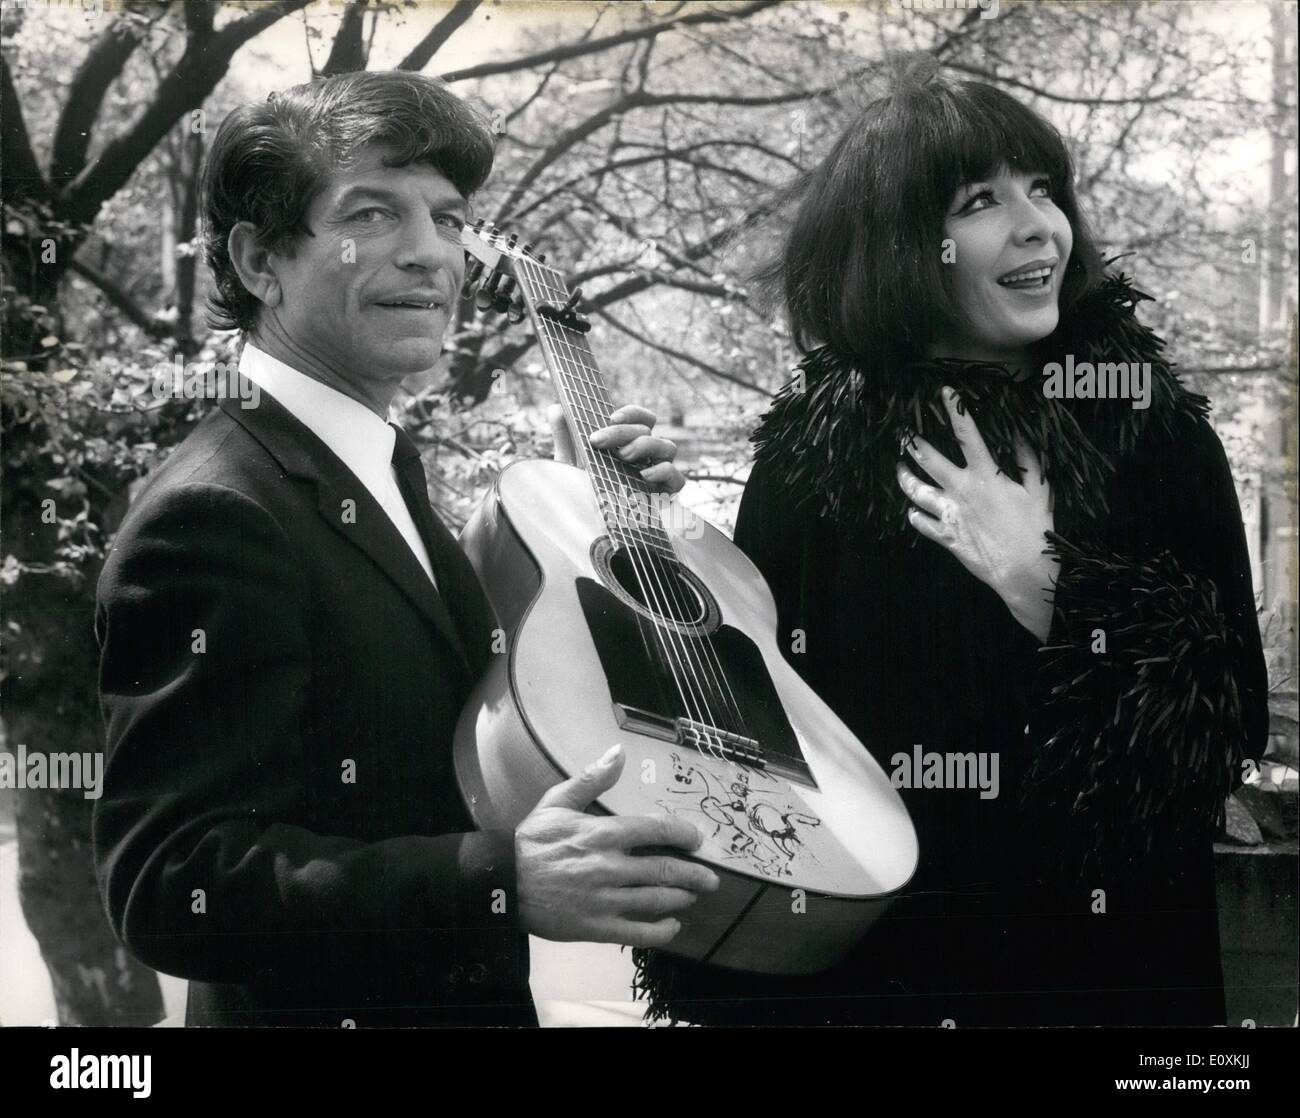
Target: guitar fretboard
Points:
(627, 502)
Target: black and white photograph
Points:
(620, 514)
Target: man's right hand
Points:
(578, 879)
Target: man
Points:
(288, 632)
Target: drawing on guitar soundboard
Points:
(748, 822)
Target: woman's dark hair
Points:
(860, 268)
(269, 161)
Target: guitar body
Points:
(809, 843)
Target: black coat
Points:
(280, 821)
(1083, 893)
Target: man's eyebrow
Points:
(358, 193)
(353, 194)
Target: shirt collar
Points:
(361, 439)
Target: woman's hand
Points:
(994, 526)
(629, 436)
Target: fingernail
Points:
(601, 762)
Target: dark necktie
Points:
(414, 488)
(415, 492)
(458, 583)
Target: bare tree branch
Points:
(629, 230)
(1063, 98)
(155, 326)
(637, 100)
(199, 17)
(1275, 368)
(635, 284)
(594, 46)
(678, 355)
(964, 31)
(546, 78)
(196, 73)
(98, 70)
(348, 51)
(22, 176)
(667, 155)
(443, 30)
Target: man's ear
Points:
(252, 263)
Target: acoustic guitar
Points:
(627, 620)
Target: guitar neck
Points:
(626, 498)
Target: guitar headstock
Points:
(491, 274)
(508, 277)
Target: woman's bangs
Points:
(989, 130)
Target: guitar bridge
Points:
(730, 747)
(711, 742)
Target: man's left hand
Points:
(630, 436)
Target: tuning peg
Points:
(516, 313)
(472, 274)
(486, 296)
(505, 295)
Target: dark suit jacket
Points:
(280, 821)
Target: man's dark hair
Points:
(269, 161)
(861, 266)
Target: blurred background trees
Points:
(640, 146)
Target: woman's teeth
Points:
(1039, 277)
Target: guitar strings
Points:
(711, 666)
(651, 589)
(601, 472)
(549, 341)
(591, 391)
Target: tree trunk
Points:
(49, 703)
(50, 706)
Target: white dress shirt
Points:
(358, 437)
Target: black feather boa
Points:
(832, 434)
(1136, 745)
(1138, 731)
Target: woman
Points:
(1056, 583)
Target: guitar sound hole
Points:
(657, 584)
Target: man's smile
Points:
(415, 300)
